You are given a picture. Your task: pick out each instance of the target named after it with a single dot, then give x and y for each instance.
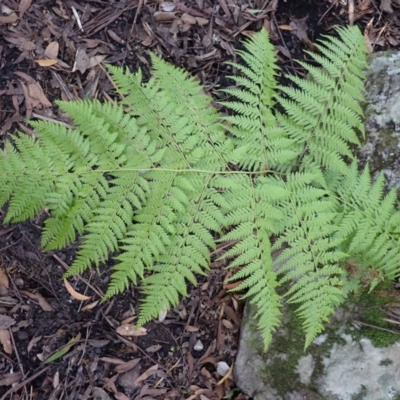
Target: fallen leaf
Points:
(162, 16)
(81, 61)
(386, 5)
(74, 293)
(8, 19)
(152, 370)
(6, 321)
(5, 340)
(52, 50)
(188, 19)
(96, 60)
(46, 62)
(163, 314)
(58, 354)
(154, 348)
(33, 342)
(23, 6)
(300, 29)
(56, 379)
(227, 324)
(286, 27)
(26, 44)
(100, 394)
(112, 360)
(4, 282)
(36, 92)
(121, 396)
(126, 366)
(90, 306)
(41, 300)
(131, 330)
(25, 76)
(201, 21)
(9, 379)
(191, 328)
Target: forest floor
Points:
(57, 340)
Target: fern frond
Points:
(160, 177)
(367, 221)
(25, 158)
(254, 124)
(253, 212)
(323, 116)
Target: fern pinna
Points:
(163, 178)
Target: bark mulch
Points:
(57, 340)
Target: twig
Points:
(374, 326)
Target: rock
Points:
(338, 365)
(381, 147)
(222, 368)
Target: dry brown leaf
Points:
(201, 21)
(154, 348)
(128, 320)
(43, 303)
(25, 76)
(162, 315)
(9, 379)
(74, 293)
(286, 27)
(56, 379)
(148, 41)
(33, 342)
(300, 29)
(52, 50)
(152, 370)
(121, 396)
(112, 360)
(188, 19)
(227, 324)
(191, 328)
(46, 62)
(23, 6)
(6, 321)
(386, 5)
(96, 60)
(26, 44)
(36, 92)
(163, 16)
(131, 330)
(167, 6)
(5, 340)
(4, 282)
(41, 300)
(90, 306)
(81, 61)
(8, 19)
(126, 366)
